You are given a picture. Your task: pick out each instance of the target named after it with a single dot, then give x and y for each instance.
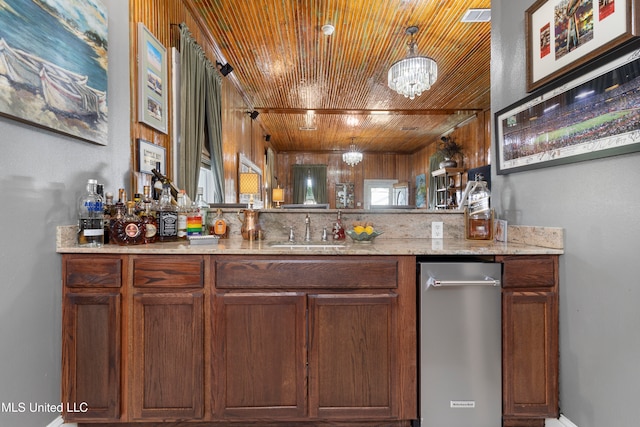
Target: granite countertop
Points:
(522, 241)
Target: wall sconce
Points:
(253, 114)
(224, 69)
(249, 185)
(277, 195)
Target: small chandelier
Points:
(414, 74)
(353, 156)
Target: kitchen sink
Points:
(307, 245)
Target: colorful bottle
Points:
(203, 207)
(194, 221)
(167, 217)
(90, 217)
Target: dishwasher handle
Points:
(487, 281)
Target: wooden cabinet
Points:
(530, 339)
(91, 316)
(167, 345)
(316, 338)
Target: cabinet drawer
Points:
(92, 271)
(325, 272)
(168, 272)
(529, 272)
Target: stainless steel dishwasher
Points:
(460, 344)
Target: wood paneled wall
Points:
(240, 134)
(474, 137)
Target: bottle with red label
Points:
(129, 230)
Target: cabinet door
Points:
(353, 371)
(91, 356)
(259, 355)
(168, 356)
(530, 354)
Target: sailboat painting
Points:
(53, 65)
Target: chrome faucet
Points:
(307, 229)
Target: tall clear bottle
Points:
(90, 217)
(479, 218)
(183, 214)
(167, 217)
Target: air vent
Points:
(408, 128)
(307, 128)
(477, 15)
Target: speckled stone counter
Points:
(406, 232)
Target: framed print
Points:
(595, 115)
(345, 195)
(53, 66)
(152, 79)
(562, 35)
(149, 155)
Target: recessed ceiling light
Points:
(477, 15)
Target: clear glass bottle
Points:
(183, 213)
(203, 207)
(167, 217)
(218, 226)
(338, 229)
(194, 221)
(90, 217)
(150, 222)
(479, 218)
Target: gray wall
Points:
(597, 203)
(41, 176)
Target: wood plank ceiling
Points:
(319, 93)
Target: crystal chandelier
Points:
(353, 156)
(414, 74)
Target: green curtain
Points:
(319, 178)
(200, 113)
(434, 164)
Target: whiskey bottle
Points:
(90, 217)
(107, 208)
(129, 230)
(164, 180)
(149, 220)
(167, 217)
(218, 226)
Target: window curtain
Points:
(200, 115)
(319, 178)
(434, 165)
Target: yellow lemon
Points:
(368, 229)
(358, 229)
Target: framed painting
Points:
(562, 35)
(595, 115)
(64, 93)
(152, 79)
(149, 155)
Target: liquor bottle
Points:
(218, 226)
(90, 217)
(149, 219)
(203, 207)
(183, 212)
(164, 180)
(479, 217)
(194, 221)
(139, 207)
(156, 184)
(167, 217)
(107, 208)
(338, 229)
(129, 230)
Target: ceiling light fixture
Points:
(414, 74)
(328, 29)
(353, 156)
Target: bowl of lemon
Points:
(363, 232)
